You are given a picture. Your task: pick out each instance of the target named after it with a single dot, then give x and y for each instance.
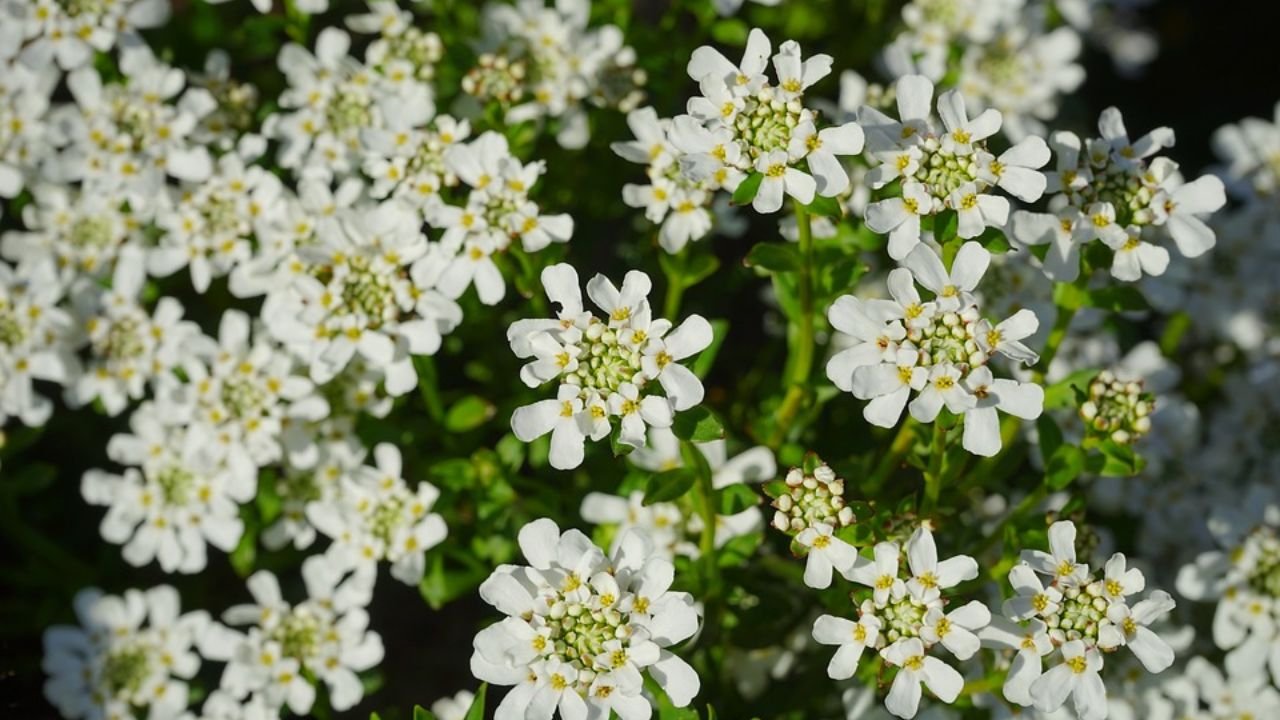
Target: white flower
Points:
(930, 577)
(70, 35)
(1030, 643)
(1060, 562)
(129, 654)
(1076, 676)
(325, 637)
(176, 494)
(35, 341)
(81, 232)
(594, 660)
(916, 668)
(825, 552)
(606, 368)
(882, 574)
(851, 638)
(1128, 626)
(956, 630)
(453, 708)
(376, 516)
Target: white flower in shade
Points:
(48, 31)
(360, 294)
(1069, 623)
(80, 232)
(915, 668)
(245, 392)
(606, 368)
(939, 348)
(176, 495)
(35, 341)
(1241, 579)
(1248, 150)
(24, 136)
(1124, 197)
(850, 638)
(128, 347)
(407, 161)
(237, 102)
(455, 707)
(1077, 676)
(767, 126)
(132, 135)
(584, 629)
(287, 647)
(209, 227)
(945, 167)
(316, 481)
(376, 516)
(130, 656)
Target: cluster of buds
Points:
(495, 77)
(1116, 409)
(816, 497)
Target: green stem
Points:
(428, 386)
(802, 339)
(892, 458)
(1051, 345)
(933, 476)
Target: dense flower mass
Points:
(583, 629)
(294, 329)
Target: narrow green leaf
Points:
(1064, 466)
(825, 207)
(477, 706)
(468, 413)
(668, 486)
(421, 713)
(1050, 437)
(747, 189)
(1118, 298)
(1063, 393)
(774, 257)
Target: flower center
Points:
(124, 340)
(13, 332)
(948, 340)
(125, 669)
(766, 122)
(176, 484)
(604, 363)
(1082, 609)
(902, 618)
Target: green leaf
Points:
(1063, 393)
(1118, 298)
(1050, 437)
(1064, 466)
(1068, 296)
(468, 413)
(747, 189)
(730, 31)
(697, 425)
(477, 706)
(374, 716)
(774, 257)
(668, 486)
(706, 358)
(1117, 460)
(421, 713)
(698, 268)
(825, 207)
(946, 225)
(735, 498)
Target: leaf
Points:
(735, 498)
(1063, 393)
(1064, 466)
(697, 425)
(1118, 298)
(668, 486)
(1069, 297)
(468, 413)
(730, 31)
(375, 716)
(706, 358)
(774, 257)
(1050, 437)
(421, 713)
(699, 268)
(945, 226)
(826, 207)
(747, 189)
(476, 712)
(1117, 460)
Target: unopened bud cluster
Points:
(811, 499)
(1116, 409)
(495, 77)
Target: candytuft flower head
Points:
(1116, 410)
(1070, 622)
(810, 507)
(1115, 190)
(129, 653)
(743, 124)
(943, 166)
(607, 367)
(938, 348)
(904, 618)
(582, 629)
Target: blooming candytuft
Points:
(810, 509)
(904, 618)
(743, 124)
(938, 348)
(130, 656)
(1069, 622)
(944, 167)
(1112, 189)
(607, 368)
(584, 629)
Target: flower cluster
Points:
(743, 124)
(1113, 189)
(1070, 622)
(606, 368)
(46, 32)
(904, 618)
(945, 167)
(583, 629)
(542, 62)
(1117, 410)
(938, 348)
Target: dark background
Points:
(1218, 62)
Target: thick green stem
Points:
(802, 333)
(933, 476)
